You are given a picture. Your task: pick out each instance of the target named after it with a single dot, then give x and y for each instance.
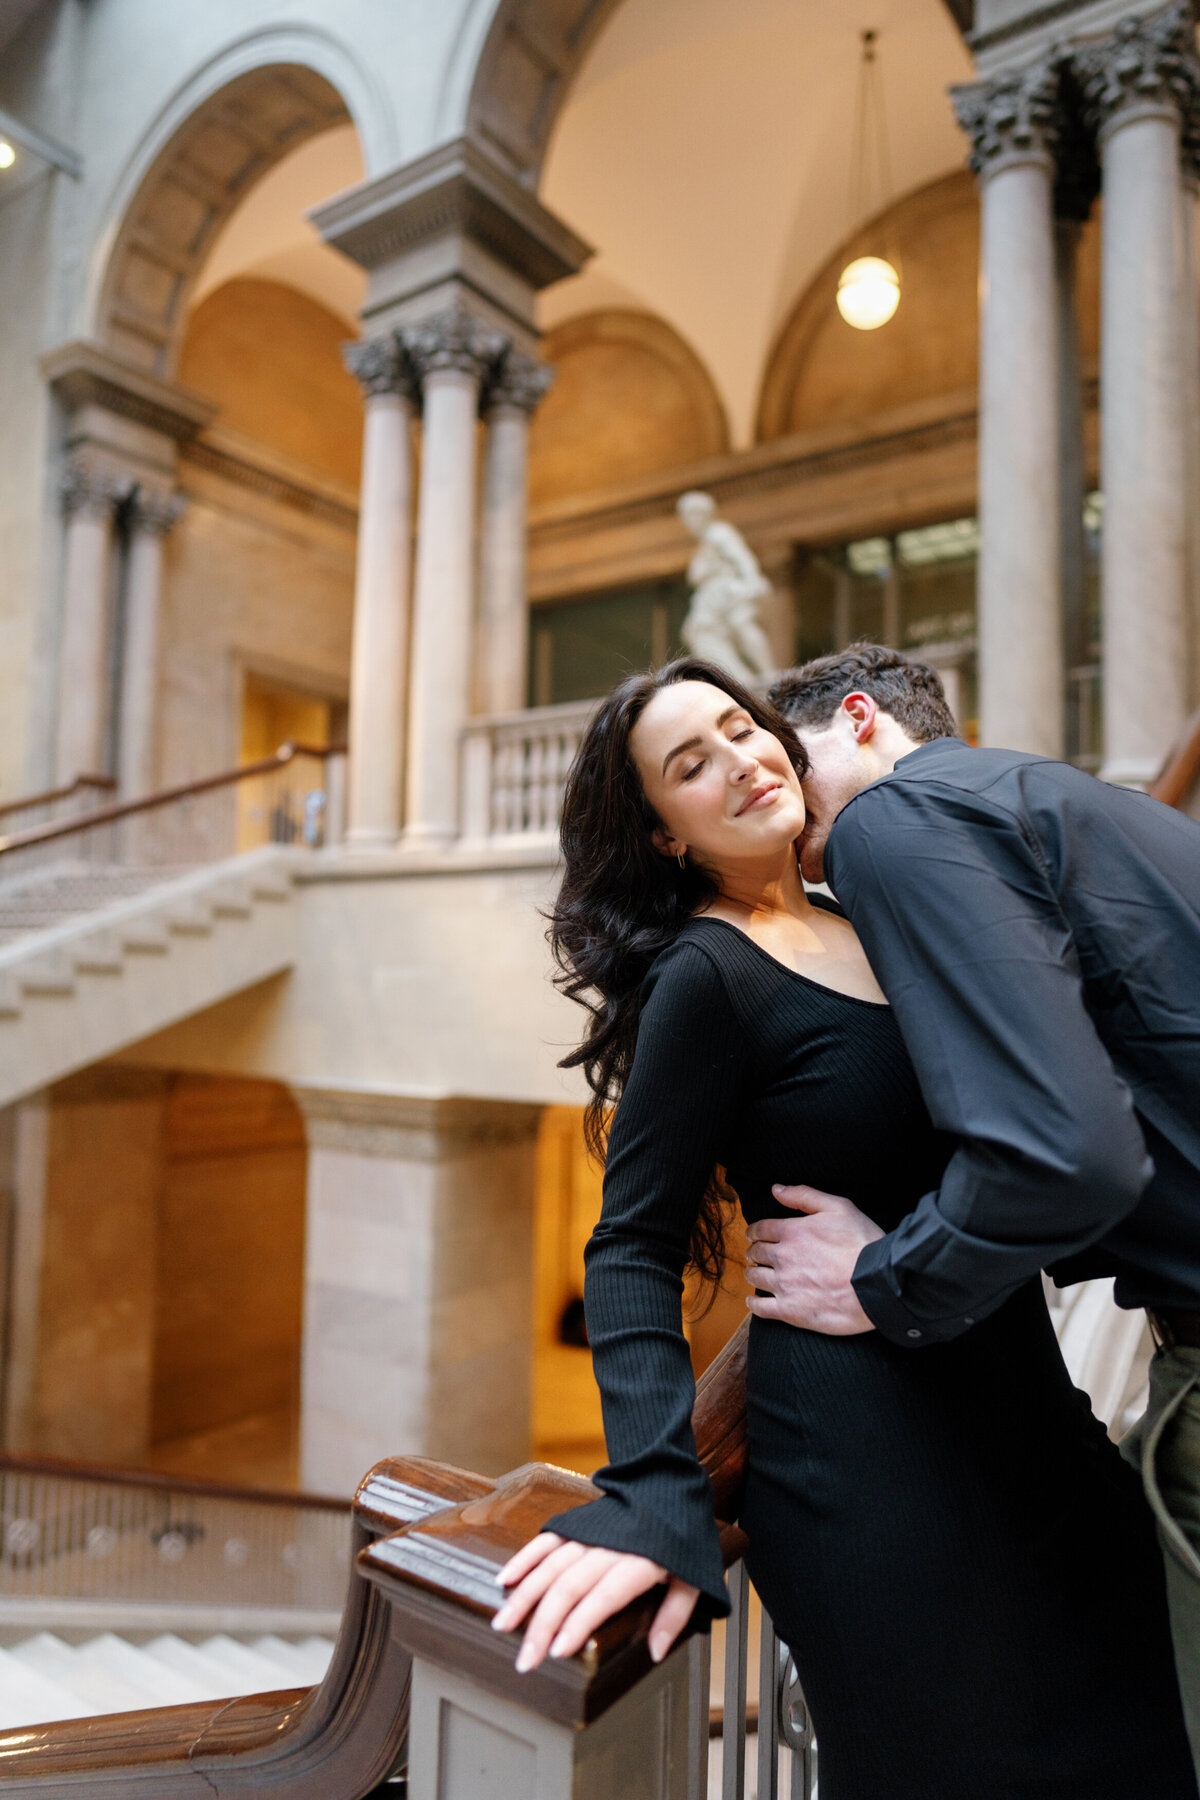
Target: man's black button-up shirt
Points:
(1038, 935)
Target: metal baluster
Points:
(733, 1738)
(768, 1711)
(795, 1728)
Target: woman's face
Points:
(722, 786)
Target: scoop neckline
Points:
(822, 986)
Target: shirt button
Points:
(913, 1332)
(968, 1321)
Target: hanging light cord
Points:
(870, 138)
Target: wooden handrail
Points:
(104, 782)
(339, 1740)
(105, 1473)
(1182, 767)
(128, 809)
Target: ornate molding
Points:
(454, 340)
(381, 365)
(269, 484)
(85, 374)
(154, 513)
(1012, 115)
(519, 381)
(1145, 64)
(91, 492)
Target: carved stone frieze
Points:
(381, 366)
(454, 340)
(519, 381)
(1144, 63)
(92, 492)
(1011, 115)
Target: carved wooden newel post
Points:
(604, 1723)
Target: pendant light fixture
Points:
(868, 291)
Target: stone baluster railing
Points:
(515, 769)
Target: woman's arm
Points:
(655, 1518)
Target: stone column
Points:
(151, 517)
(1011, 121)
(90, 502)
(1137, 83)
(418, 1312)
(453, 353)
(502, 645)
(379, 653)
(1189, 355)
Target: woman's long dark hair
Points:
(622, 902)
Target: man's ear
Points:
(863, 714)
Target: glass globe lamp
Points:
(868, 293)
(8, 155)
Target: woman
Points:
(933, 1533)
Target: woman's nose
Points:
(743, 766)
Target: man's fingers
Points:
(766, 1309)
(671, 1617)
(808, 1199)
(762, 1275)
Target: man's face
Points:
(839, 768)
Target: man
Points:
(1038, 935)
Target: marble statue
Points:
(722, 622)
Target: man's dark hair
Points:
(910, 691)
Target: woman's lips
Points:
(764, 791)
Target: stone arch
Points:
(530, 55)
(208, 165)
(630, 397)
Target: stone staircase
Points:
(95, 957)
(44, 1677)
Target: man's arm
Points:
(963, 929)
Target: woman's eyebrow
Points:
(691, 743)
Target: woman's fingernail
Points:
(657, 1650)
(525, 1660)
(499, 1622)
(556, 1648)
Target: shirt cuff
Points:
(874, 1281)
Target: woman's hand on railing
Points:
(573, 1588)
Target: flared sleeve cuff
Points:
(610, 1523)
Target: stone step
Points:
(45, 1678)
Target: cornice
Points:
(84, 374)
(457, 189)
(408, 1127)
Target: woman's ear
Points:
(664, 843)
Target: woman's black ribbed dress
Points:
(960, 1562)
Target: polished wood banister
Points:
(1181, 768)
(104, 782)
(128, 809)
(65, 1469)
(339, 1740)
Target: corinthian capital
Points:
(380, 365)
(1145, 63)
(153, 512)
(89, 491)
(519, 381)
(1011, 115)
(454, 339)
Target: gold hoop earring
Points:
(679, 858)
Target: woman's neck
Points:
(774, 891)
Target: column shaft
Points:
(441, 649)
(502, 647)
(1142, 447)
(83, 689)
(379, 656)
(1020, 634)
(152, 518)
(1189, 326)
